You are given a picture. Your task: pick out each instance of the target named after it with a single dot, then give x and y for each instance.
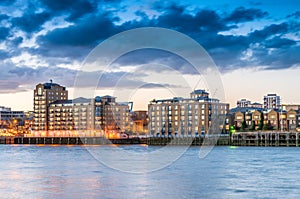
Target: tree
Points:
(261, 123)
(252, 127)
(244, 126)
(268, 126)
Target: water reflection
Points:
(71, 172)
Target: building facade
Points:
(44, 95)
(186, 116)
(272, 101)
(101, 114)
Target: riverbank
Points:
(265, 139)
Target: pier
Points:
(155, 141)
(265, 139)
(67, 140)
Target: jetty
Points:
(263, 139)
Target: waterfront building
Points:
(44, 95)
(100, 114)
(272, 101)
(239, 118)
(291, 117)
(282, 116)
(186, 116)
(56, 115)
(273, 119)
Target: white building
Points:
(272, 101)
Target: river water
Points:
(72, 172)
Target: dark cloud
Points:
(280, 59)
(176, 18)
(74, 8)
(241, 14)
(31, 21)
(274, 29)
(94, 21)
(2, 17)
(86, 32)
(4, 32)
(203, 25)
(278, 42)
(17, 79)
(17, 41)
(295, 15)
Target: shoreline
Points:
(263, 139)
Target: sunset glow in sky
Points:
(255, 45)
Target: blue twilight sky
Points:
(253, 43)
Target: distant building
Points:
(199, 93)
(256, 105)
(247, 103)
(44, 95)
(272, 101)
(243, 103)
(288, 107)
(185, 116)
(139, 123)
(7, 114)
(10, 119)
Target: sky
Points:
(254, 44)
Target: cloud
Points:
(295, 15)
(31, 21)
(86, 32)
(241, 14)
(272, 45)
(3, 16)
(278, 42)
(16, 79)
(4, 32)
(74, 8)
(268, 31)
(203, 25)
